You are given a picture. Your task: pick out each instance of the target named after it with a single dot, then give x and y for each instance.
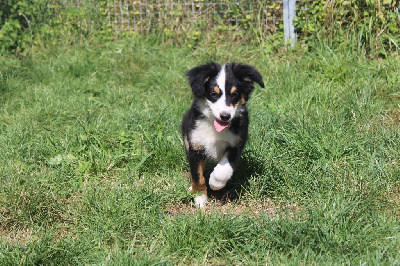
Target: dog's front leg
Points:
(196, 164)
(224, 169)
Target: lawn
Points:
(93, 169)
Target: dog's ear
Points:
(198, 77)
(248, 74)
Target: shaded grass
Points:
(93, 163)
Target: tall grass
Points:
(93, 168)
(367, 27)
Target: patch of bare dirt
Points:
(391, 119)
(245, 208)
(396, 202)
(20, 236)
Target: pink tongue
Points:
(220, 126)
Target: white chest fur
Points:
(205, 136)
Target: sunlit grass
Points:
(93, 168)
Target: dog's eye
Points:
(213, 94)
(235, 94)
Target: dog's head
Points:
(224, 88)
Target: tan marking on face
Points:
(217, 90)
(242, 99)
(233, 105)
(233, 90)
(201, 184)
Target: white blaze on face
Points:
(221, 78)
(220, 106)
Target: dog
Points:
(216, 125)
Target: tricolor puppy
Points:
(215, 127)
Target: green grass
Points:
(93, 169)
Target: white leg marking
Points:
(221, 174)
(200, 201)
(190, 189)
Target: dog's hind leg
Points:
(198, 181)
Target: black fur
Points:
(237, 85)
(200, 75)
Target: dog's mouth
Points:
(220, 125)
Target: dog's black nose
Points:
(225, 116)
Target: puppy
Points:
(216, 125)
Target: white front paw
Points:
(216, 184)
(220, 176)
(200, 201)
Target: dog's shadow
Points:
(248, 166)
